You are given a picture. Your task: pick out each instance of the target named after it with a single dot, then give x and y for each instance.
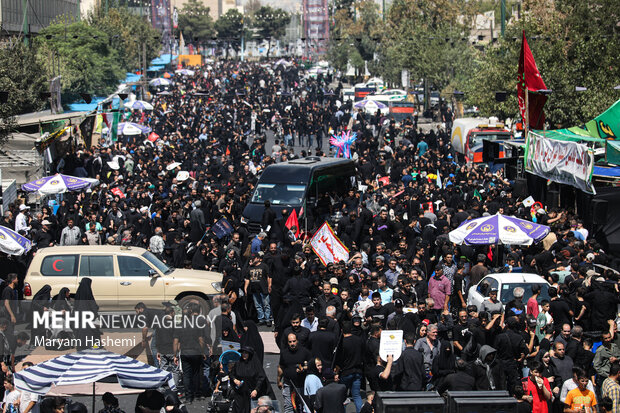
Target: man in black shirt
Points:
(8, 308)
(302, 333)
(292, 369)
(350, 361)
(559, 310)
(164, 337)
(190, 342)
(461, 333)
(409, 370)
(258, 286)
(377, 313)
(322, 343)
(379, 377)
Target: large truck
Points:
(468, 135)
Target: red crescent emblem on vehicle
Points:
(56, 268)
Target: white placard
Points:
(528, 202)
(391, 343)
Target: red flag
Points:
(292, 220)
(529, 77)
(490, 254)
(118, 192)
(153, 137)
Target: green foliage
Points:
(574, 44)
(355, 35)
(128, 32)
(23, 78)
(230, 28)
(195, 22)
(270, 24)
(88, 64)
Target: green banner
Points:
(52, 126)
(114, 131)
(607, 124)
(612, 154)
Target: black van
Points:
(298, 183)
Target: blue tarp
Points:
(156, 68)
(163, 59)
(606, 171)
(85, 107)
(131, 77)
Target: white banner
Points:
(391, 343)
(327, 245)
(564, 162)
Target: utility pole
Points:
(26, 26)
(144, 79)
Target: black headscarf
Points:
(84, 298)
(251, 337)
(61, 303)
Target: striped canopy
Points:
(89, 366)
(12, 243)
(498, 229)
(58, 184)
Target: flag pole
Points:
(526, 127)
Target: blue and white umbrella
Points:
(58, 184)
(498, 229)
(160, 81)
(369, 104)
(139, 105)
(89, 366)
(12, 243)
(185, 72)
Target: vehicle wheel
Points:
(205, 306)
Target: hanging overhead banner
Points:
(564, 162)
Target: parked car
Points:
(121, 277)
(389, 95)
(505, 284)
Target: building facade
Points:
(37, 15)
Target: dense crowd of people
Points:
(553, 348)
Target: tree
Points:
(195, 22)
(230, 29)
(88, 63)
(252, 7)
(427, 38)
(271, 24)
(23, 78)
(574, 45)
(128, 32)
(355, 35)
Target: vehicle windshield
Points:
(279, 194)
(507, 289)
(156, 262)
(476, 139)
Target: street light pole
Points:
(503, 16)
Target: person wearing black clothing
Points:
(371, 350)
(296, 328)
(148, 315)
(511, 349)
(327, 299)
(331, 397)
(248, 380)
(292, 369)
(377, 313)
(40, 303)
(190, 342)
(351, 363)
(461, 333)
(85, 302)
(379, 376)
(460, 380)
(322, 343)
(258, 286)
(164, 339)
(559, 310)
(409, 370)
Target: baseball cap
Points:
(46, 222)
(23, 207)
(399, 303)
(541, 211)
(493, 290)
(590, 256)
